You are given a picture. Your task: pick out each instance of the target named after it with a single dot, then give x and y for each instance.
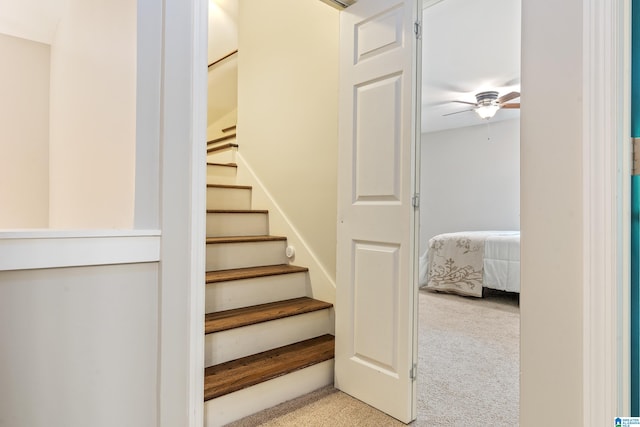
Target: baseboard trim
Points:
(322, 284)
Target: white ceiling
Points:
(35, 20)
(468, 46)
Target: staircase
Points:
(267, 340)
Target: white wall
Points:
(34, 20)
(222, 90)
(24, 133)
(287, 103)
(93, 116)
(80, 346)
(470, 182)
(223, 28)
(214, 130)
(551, 214)
(223, 77)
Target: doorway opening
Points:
(469, 325)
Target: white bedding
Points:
(466, 261)
(502, 262)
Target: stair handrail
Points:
(223, 58)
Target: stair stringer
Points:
(323, 286)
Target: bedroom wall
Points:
(468, 182)
(287, 103)
(24, 133)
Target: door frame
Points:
(606, 257)
(606, 210)
(170, 192)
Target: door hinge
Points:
(417, 29)
(413, 372)
(415, 200)
(635, 156)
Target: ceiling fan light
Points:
(487, 111)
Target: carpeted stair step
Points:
(226, 253)
(232, 334)
(235, 222)
(235, 375)
(230, 197)
(243, 287)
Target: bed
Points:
(466, 262)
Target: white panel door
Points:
(376, 295)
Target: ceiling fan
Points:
(488, 103)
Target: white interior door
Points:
(376, 295)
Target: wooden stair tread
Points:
(237, 187)
(228, 165)
(241, 373)
(238, 211)
(222, 138)
(245, 316)
(222, 147)
(252, 272)
(244, 239)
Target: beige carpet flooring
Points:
(468, 372)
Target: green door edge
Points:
(635, 213)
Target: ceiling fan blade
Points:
(508, 97)
(465, 102)
(458, 112)
(511, 105)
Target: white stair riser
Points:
(222, 156)
(227, 256)
(235, 343)
(228, 198)
(233, 406)
(221, 175)
(258, 290)
(237, 224)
